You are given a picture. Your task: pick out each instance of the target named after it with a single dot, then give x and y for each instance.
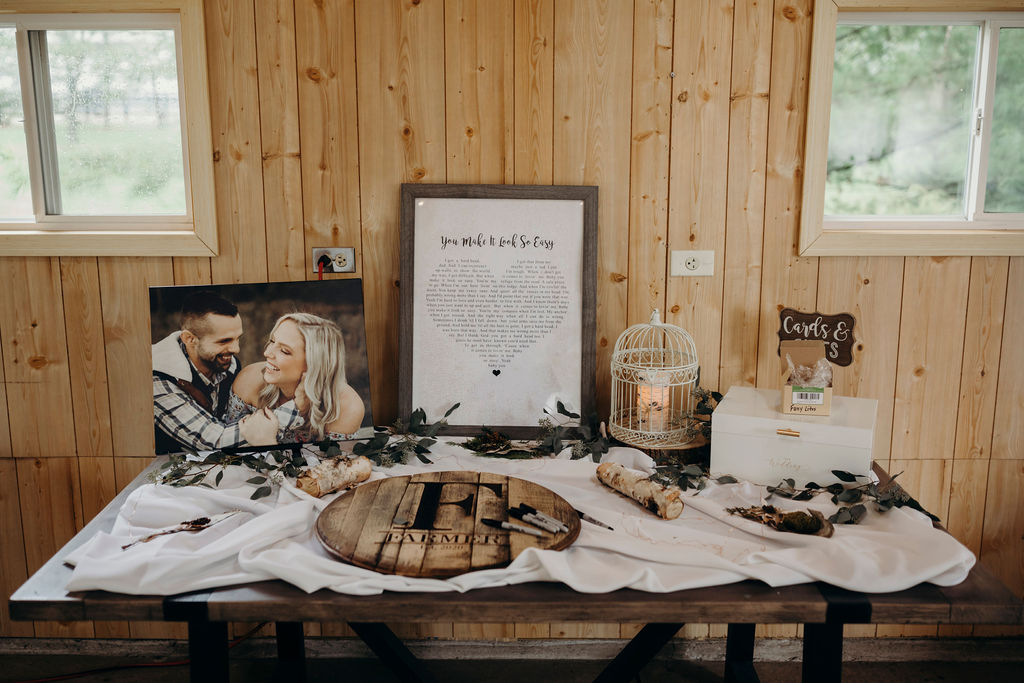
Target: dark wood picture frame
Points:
(588, 196)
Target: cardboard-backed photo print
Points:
(258, 364)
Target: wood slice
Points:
(429, 525)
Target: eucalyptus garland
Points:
(885, 497)
(394, 445)
(588, 437)
(270, 466)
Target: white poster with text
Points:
(497, 311)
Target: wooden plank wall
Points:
(689, 115)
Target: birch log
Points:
(333, 475)
(662, 500)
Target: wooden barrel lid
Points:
(428, 525)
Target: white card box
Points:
(753, 440)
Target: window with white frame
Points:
(105, 141)
(915, 132)
(927, 119)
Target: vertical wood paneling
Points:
(593, 50)
(51, 513)
(1008, 440)
(5, 428)
(649, 169)
(279, 135)
(968, 494)
(237, 155)
(869, 288)
(13, 569)
(982, 344)
(479, 113)
(1002, 544)
(400, 58)
(699, 170)
(534, 90)
(189, 270)
(83, 322)
(315, 125)
(744, 222)
(649, 158)
(35, 358)
(930, 354)
(325, 54)
(99, 486)
(592, 105)
(534, 111)
(124, 283)
(479, 90)
(786, 279)
(930, 482)
(126, 469)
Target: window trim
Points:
(943, 236)
(192, 234)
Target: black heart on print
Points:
(497, 319)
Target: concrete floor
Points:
(550, 661)
(35, 667)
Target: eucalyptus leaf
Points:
(261, 492)
(844, 476)
(857, 513)
(850, 496)
(256, 480)
(217, 479)
(726, 479)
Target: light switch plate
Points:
(692, 263)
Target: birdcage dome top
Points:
(655, 345)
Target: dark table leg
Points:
(739, 655)
(645, 644)
(207, 651)
(392, 652)
(291, 652)
(823, 653)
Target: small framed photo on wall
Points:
(498, 302)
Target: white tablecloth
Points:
(273, 538)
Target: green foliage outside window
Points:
(901, 119)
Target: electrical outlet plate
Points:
(692, 263)
(336, 259)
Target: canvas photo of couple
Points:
(258, 365)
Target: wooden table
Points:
(823, 609)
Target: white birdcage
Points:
(654, 375)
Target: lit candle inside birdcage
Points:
(654, 403)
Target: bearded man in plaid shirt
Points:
(193, 369)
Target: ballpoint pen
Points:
(535, 520)
(534, 511)
(497, 523)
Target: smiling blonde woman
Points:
(305, 363)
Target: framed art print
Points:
(498, 302)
